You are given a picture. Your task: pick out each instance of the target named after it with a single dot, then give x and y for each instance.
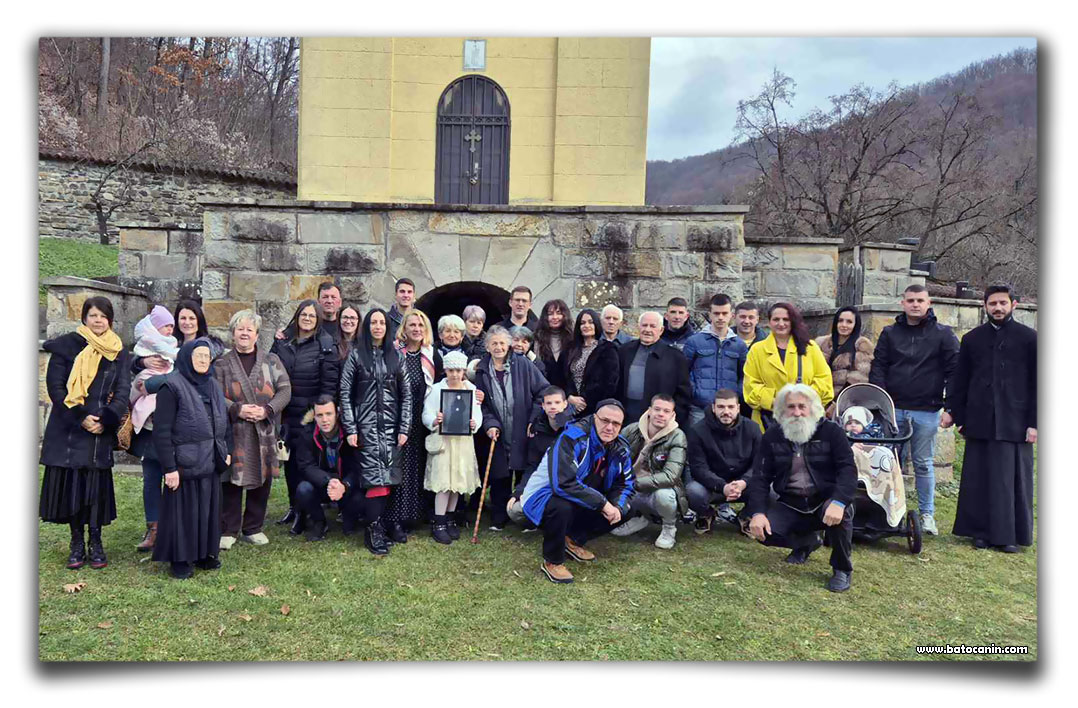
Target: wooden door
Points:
(472, 149)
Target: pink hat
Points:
(160, 316)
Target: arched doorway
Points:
(471, 163)
(452, 298)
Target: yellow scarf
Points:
(88, 360)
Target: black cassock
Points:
(994, 399)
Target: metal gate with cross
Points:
(472, 150)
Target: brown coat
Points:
(843, 372)
(254, 453)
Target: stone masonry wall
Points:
(65, 187)
(802, 271)
(271, 254)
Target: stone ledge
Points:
(896, 308)
(755, 240)
(480, 208)
(880, 244)
(70, 281)
(162, 225)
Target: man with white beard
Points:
(808, 463)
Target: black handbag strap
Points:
(798, 368)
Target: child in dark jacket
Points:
(543, 429)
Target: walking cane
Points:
(483, 492)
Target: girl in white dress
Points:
(452, 470)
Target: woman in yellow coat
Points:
(773, 363)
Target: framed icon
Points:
(456, 412)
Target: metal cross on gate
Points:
(473, 137)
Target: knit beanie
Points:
(859, 413)
(455, 360)
(160, 316)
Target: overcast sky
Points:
(697, 82)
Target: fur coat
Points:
(843, 372)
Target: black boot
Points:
(397, 533)
(451, 526)
(288, 518)
(78, 548)
(438, 530)
(209, 563)
(298, 524)
(374, 538)
(181, 571)
(98, 560)
(317, 530)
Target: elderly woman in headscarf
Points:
(193, 436)
(88, 380)
(848, 353)
(157, 348)
(257, 389)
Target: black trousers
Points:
(356, 509)
(563, 518)
(501, 490)
(796, 528)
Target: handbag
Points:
(283, 453)
(434, 444)
(125, 432)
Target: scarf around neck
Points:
(201, 382)
(84, 368)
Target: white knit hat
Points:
(859, 413)
(455, 360)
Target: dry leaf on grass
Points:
(823, 634)
(104, 625)
(246, 618)
(220, 630)
(231, 588)
(525, 625)
(719, 574)
(517, 574)
(259, 591)
(476, 572)
(633, 603)
(285, 609)
(308, 593)
(74, 587)
(730, 582)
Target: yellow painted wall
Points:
(368, 111)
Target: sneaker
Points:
(577, 552)
(726, 514)
(529, 529)
(257, 539)
(840, 581)
(495, 528)
(928, 524)
(227, 542)
(556, 573)
(666, 539)
(630, 527)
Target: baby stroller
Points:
(870, 517)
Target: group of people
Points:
(577, 428)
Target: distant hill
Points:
(1005, 86)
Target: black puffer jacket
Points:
(828, 458)
(602, 374)
(376, 404)
(719, 455)
(66, 443)
(913, 363)
(313, 369)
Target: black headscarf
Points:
(851, 342)
(365, 344)
(203, 383)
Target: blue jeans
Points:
(923, 447)
(152, 476)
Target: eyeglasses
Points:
(306, 316)
(607, 422)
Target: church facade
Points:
(526, 120)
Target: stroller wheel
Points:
(913, 531)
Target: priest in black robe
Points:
(993, 400)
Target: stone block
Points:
(214, 284)
(354, 290)
(183, 265)
(599, 293)
(274, 227)
(683, 265)
(185, 242)
(345, 259)
(810, 257)
(567, 231)
(74, 301)
(215, 225)
(340, 228)
(272, 257)
(654, 294)
(130, 264)
(505, 259)
(791, 285)
(945, 446)
(560, 289)
(152, 240)
(896, 261)
(880, 284)
(669, 235)
(231, 255)
(403, 263)
(541, 267)
(750, 284)
(724, 265)
(489, 224)
(712, 236)
(584, 263)
(761, 258)
(55, 306)
(609, 234)
(219, 312)
(870, 258)
(305, 287)
(439, 255)
(703, 292)
(635, 264)
(408, 221)
(258, 286)
(473, 256)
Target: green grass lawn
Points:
(714, 597)
(83, 259)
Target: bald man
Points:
(648, 367)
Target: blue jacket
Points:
(575, 455)
(714, 364)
